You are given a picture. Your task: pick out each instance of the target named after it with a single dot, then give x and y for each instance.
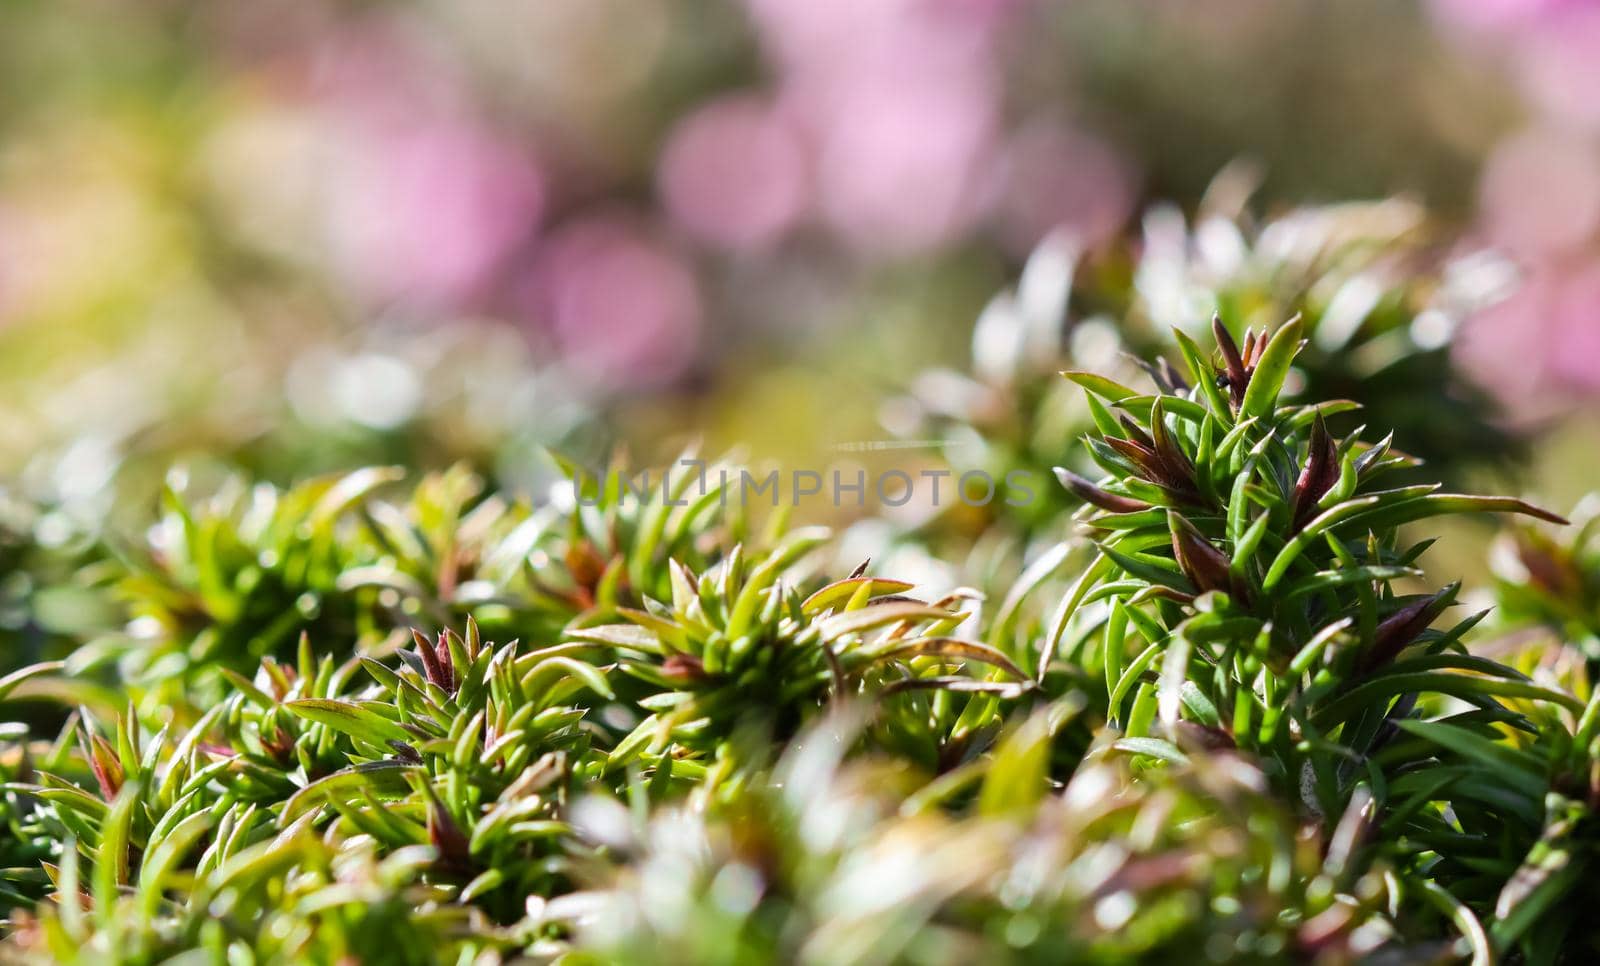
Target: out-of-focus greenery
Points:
(1173, 865)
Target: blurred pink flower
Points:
(1500, 346)
(8, 256)
(733, 173)
(1540, 344)
(1057, 177)
(426, 211)
(1553, 48)
(1558, 62)
(899, 101)
(623, 308)
(1574, 342)
(1540, 199)
(1494, 14)
(1540, 192)
(901, 164)
(816, 34)
(425, 200)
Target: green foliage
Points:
(1226, 719)
(46, 601)
(226, 580)
(1248, 591)
(1380, 309)
(738, 648)
(1549, 583)
(828, 861)
(288, 898)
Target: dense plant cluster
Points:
(1221, 716)
(1380, 304)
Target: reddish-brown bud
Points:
(1402, 628)
(1318, 477)
(1097, 496)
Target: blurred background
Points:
(291, 237)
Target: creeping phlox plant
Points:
(838, 859)
(1548, 583)
(1253, 561)
(1380, 305)
(226, 580)
(1225, 717)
